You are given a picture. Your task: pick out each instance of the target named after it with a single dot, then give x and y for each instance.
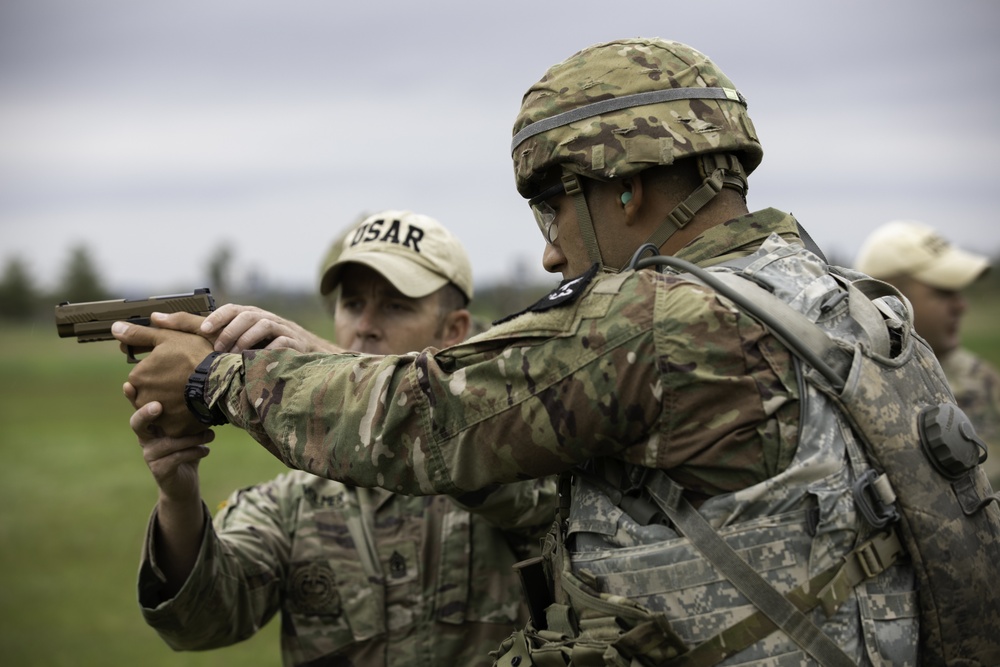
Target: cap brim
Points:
(409, 278)
(953, 270)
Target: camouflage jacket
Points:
(366, 576)
(976, 385)
(583, 373)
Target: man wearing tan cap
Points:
(931, 273)
(360, 576)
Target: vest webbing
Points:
(828, 589)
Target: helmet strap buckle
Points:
(734, 177)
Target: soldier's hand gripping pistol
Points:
(92, 320)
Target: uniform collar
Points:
(739, 237)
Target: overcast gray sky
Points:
(154, 132)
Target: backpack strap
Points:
(871, 312)
(796, 331)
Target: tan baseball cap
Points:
(913, 249)
(414, 252)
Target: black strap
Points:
(810, 245)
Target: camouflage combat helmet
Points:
(616, 108)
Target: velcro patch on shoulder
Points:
(567, 292)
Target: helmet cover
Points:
(697, 111)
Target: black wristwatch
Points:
(194, 394)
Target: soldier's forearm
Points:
(179, 530)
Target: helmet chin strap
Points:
(718, 170)
(583, 220)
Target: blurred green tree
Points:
(18, 295)
(80, 280)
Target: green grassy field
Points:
(75, 495)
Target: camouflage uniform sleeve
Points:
(529, 398)
(235, 586)
(526, 509)
(525, 400)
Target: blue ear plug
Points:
(626, 197)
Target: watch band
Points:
(194, 394)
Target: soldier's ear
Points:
(631, 198)
(455, 327)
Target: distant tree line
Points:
(22, 299)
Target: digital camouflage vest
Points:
(847, 534)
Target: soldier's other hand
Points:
(237, 328)
(162, 374)
(172, 461)
(186, 322)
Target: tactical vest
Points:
(820, 564)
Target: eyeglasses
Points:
(545, 215)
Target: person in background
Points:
(932, 273)
(360, 576)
